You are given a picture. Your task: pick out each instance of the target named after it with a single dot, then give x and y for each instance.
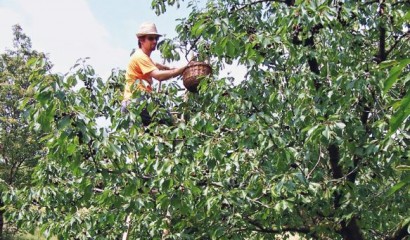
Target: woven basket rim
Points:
(189, 68)
(193, 64)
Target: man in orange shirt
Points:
(141, 69)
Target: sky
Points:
(67, 30)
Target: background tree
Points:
(313, 141)
(19, 147)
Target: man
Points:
(141, 69)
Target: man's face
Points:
(149, 42)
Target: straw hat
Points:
(147, 29)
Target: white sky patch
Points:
(235, 71)
(8, 18)
(67, 31)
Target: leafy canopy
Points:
(19, 147)
(314, 141)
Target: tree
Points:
(18, 145)
(314, 141)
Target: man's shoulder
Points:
(139, 54)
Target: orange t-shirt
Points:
(139, 66)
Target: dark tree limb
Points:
(309, 42)
(334, 161)
(350, 229)
(260, 228)
(339, 13)
(381, 56)
(364, 117)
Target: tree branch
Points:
(192, 47)
(397, 41)
(351, 177)
(350, 229)
(382, 37)
(317, 164)
(309, 42)
(356, 159)
(334, 161)
(339, 13)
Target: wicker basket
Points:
(193, 73)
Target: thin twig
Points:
(396, 42)
(192, 47)
(345, 176)
(317, 164)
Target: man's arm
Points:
(162, 75)
(162, 67)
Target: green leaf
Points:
(198, 28)
(31, 61)
(395, 188)
(114, 148)
(43, 97)
(394, 74)
(326, 133)
(388, 63)
(231, 48)
(71, 148)
(302, 178)
(401, 113)
(407, 18)
(64, 122)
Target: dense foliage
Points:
(314, 141)
(19, 147)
